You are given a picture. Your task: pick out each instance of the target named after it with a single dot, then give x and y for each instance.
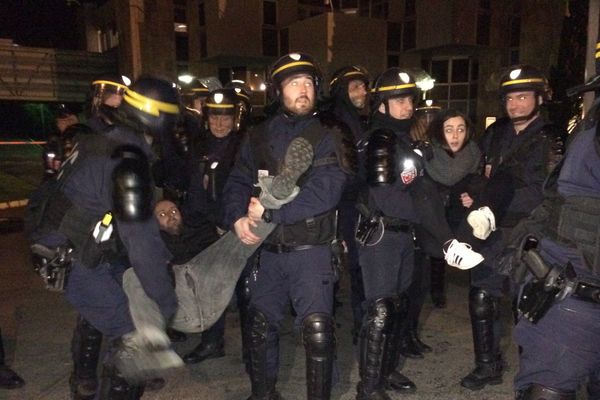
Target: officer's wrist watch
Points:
(267, 215)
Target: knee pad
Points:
(318, 333)
(540, 392)
(380, 313)
(258, 327)
(482, 306)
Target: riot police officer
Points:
(387, 262)
(305, 229)
(244, 94)
(107, 93)
(560, 303)
(525, 146)
(215, 157)
(348, 89)
(102, 209)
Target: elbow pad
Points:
(381, 157)
(132, 185)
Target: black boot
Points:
(85, 350)
(8, 378)
(394, 380)
(488, 359)
(319, 343)
(211, 346)
(114, 387)
(438, 282)
(263, 385)
(411, 345)
(377, 326)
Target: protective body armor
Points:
(319, 229)
(51, 212)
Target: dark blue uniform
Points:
(348, 214)
(527, 157)
(387, 267)
(302, 272)
(562, 349)
(96, 291)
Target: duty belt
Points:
(587, 291)
(397, 225)
(282, 248)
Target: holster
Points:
(53, 265)
(367, 226)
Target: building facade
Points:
(462, 44)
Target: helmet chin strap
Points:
(530, 116)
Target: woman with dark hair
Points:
(462, 200)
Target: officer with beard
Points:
(304, 231)
(349, 94)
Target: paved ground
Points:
(37, 327)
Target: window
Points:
(181, 47)
(201, 14)
(374, 8)
(483, 29)
(269, 42)
(394, 36)
(409, 35)
(284, 41)
(203, 45)
(455, 82)
(179, 11)
(410, 8)
(269, 13)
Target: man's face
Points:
(220, 125)
(399, 107)
(113, 100)
(357, 93)
(168, 217)
(520, 104)
(63, 123)
(298, 93)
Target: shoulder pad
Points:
(345, 148)
(132, 185)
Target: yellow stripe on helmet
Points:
(598, 46)
(148, 105)
(200, 89)
(212, 105)
(394, 87)
(290, 65)
(519, 81)
(103, 82)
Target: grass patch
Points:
(21, 171)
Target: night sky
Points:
(40, 23)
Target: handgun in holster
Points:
(550, 284)
(53, 264)
(367, 227)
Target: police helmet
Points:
(192, 91)
(338, 86)
(244, 94)
(106, 85)
(153, 102)
(224, 102)
(521, 78)
(394, 82)
(290, 65)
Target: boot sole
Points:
(298, 158)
